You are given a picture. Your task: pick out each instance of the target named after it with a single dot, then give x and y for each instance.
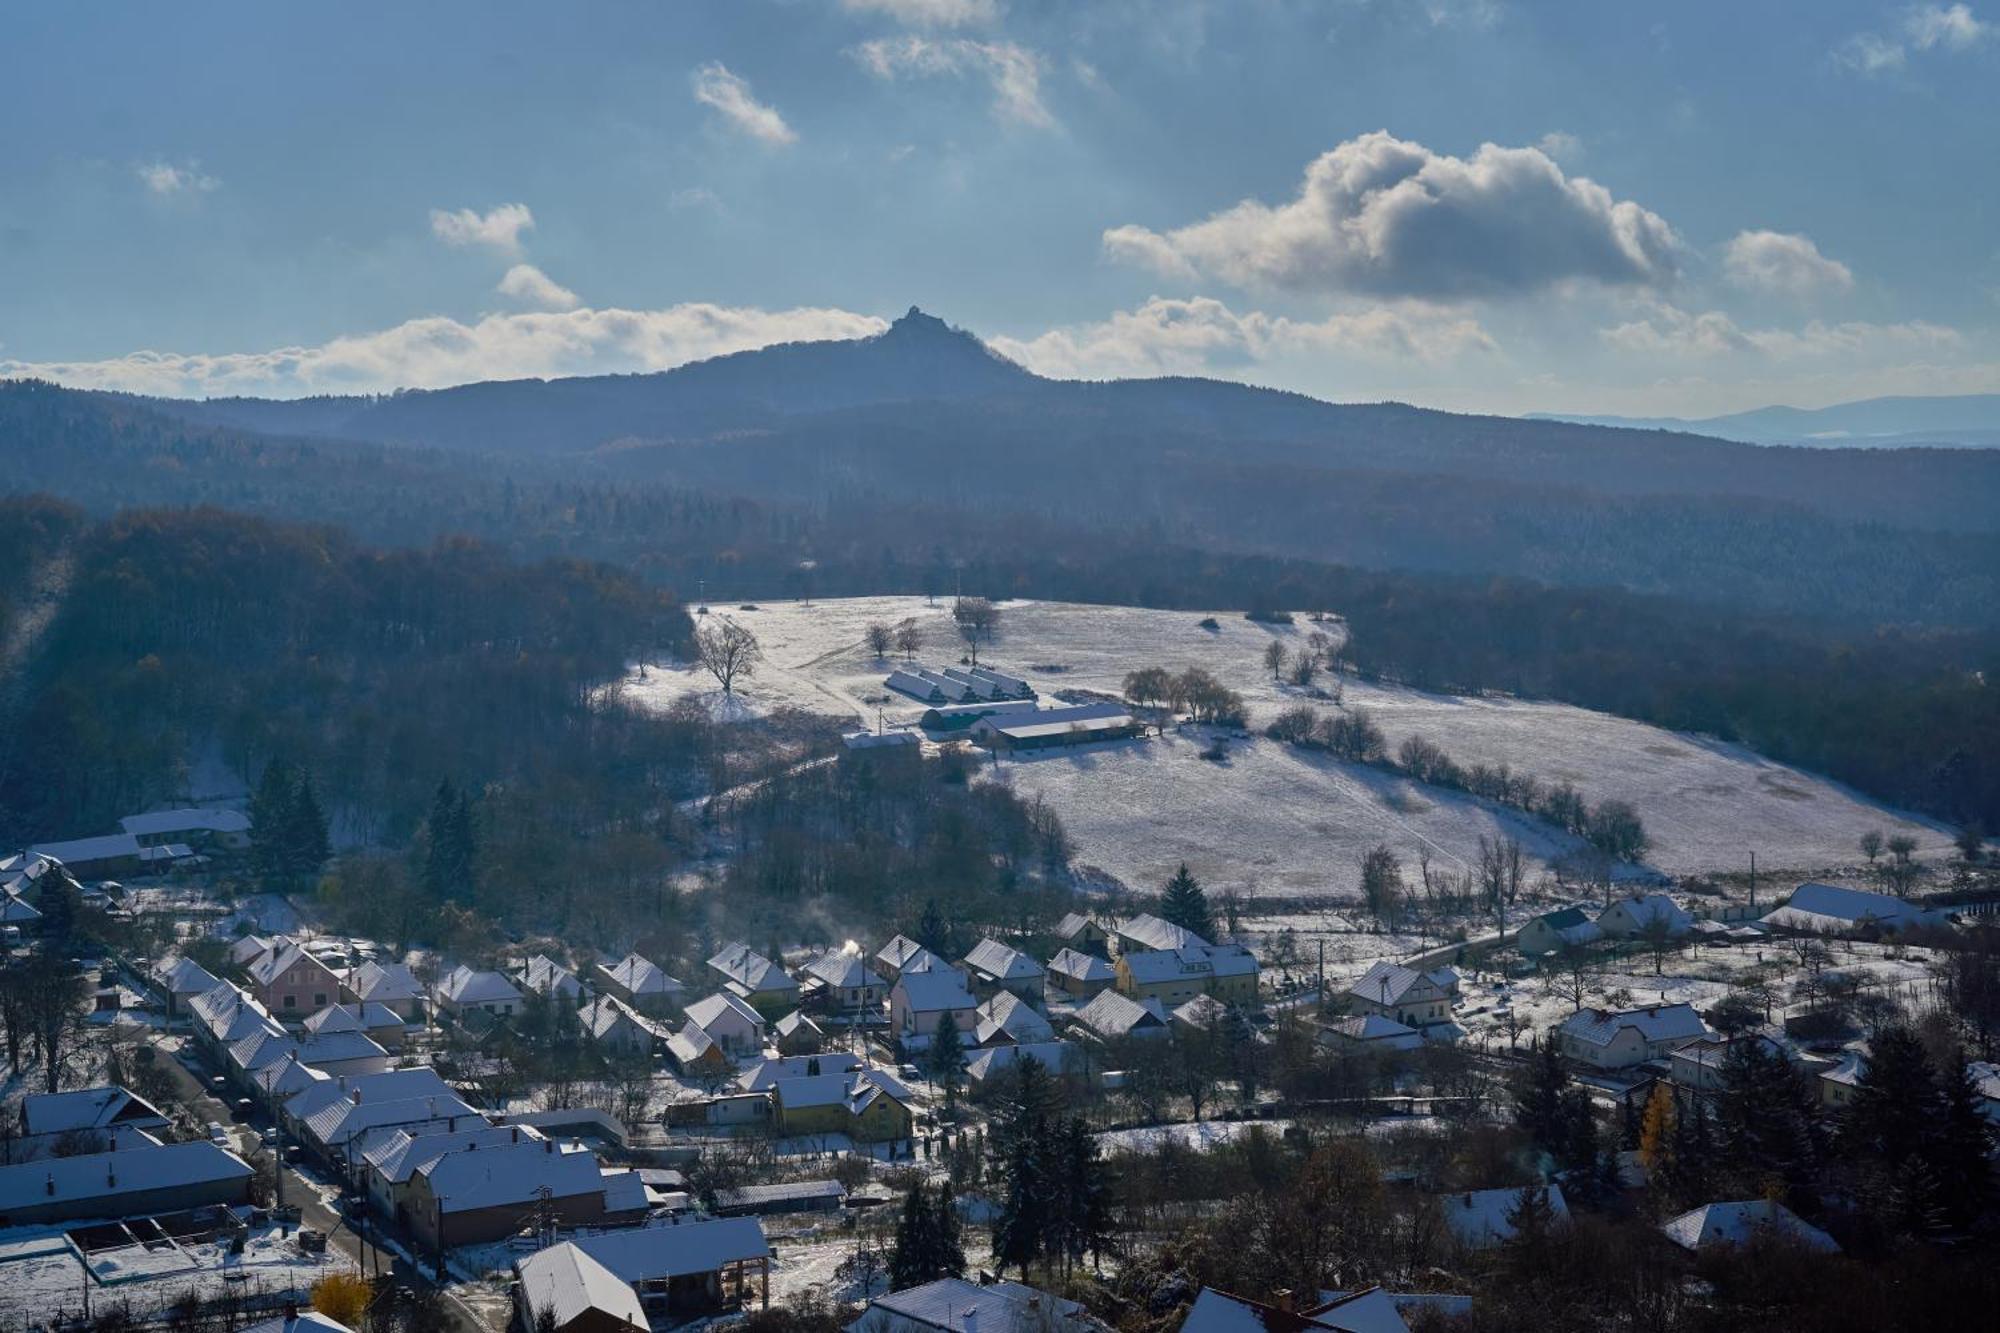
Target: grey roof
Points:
(1370, 1027)
(1660, 1022)
(646, 1254)
(1110, 1014)
(705, 1011)
(767, 1073)
(843, 971)
(752, 1196)
(336, 1123)
(545, 976)
(1735, 1223)
(1479, 1217)
(885, 740)
(641, 976)
(366, 1017)
(190, 820)
(84, 1108)
(1081, 966)
(108, 1175)
(953, 1305)
(1008, 1015)
(1812, 905)
(386, 982)
(389, 1085)
(999, 961)
(1073, 924)
(566, 1281)
(104, 847)
(339, 1048)
(751, 970)
(466, 985)
(184, 976)
(934, 992)
(986, 1063)
(401, 1153)
(1156, 932)
(1387, 983)
(512, 1173)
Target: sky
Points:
(1485, 205)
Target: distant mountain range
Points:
(921, 433)
(1963, 421)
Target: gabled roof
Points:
(389, 1085)
(338, 1048)
(795, 1022)
(510, 1174)
(1007, 1017)
(765, 1074)
(245, 951)
(606, 1012)
(15, 910)
(1002, 963)
(1814, 905)
(1736, 1223)
(641, 977)
(1479, 1217)
(386, 982)
(288, 1077)
(1219, 1312)
(1387, 983)
(85, 1108)
(1074, 924)
(104, 847)
(1646, 908)
(567, 1282)
(465, 985)
(953, 1305)
(341, 1120)
(899, 951)
(263, 1047)
(704, 1012)
(368, 1016)
(751, 970)
(934, 992)
(1203, 1011)
(1111, 1014)
(689, 1044)
(305, 1321)
(1660, 1022)
(184, 976)
(397, 1157)
(1154, 932)
(1370, 1027)
(843, 971)
(993, 1060)
(110, 1175)
(545, 976)
(283, 955)
(648, 1254)
(1081, 966)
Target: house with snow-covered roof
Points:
(84, 1119)
(750, 976)
(480, 1194)
(992, 967)
(677, 1270)
(1229, 972)
(290, 982)
(797, 1034)
(1080, 975)
(1634, 915)
(544, 976)
(867, 1105)
(1742, 1222)
(1369, 1032)
(953, 1305)
(204, 828)
(993, 1062)
(729, 1022)
(391, 984)
(465, 991)
(377, 1021)
(643, 984)
(181, 979)
(1009, 1020)
(1608, 1039)
(1828, 909)
(839, 982)
(1478, 1219)
(138, 1181)
(1402, 994)
(1114, 1017)
(1083, 933)
(616, 1027)
(919, 1001)
(1552, 932)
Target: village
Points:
(260, 1118)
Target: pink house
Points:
(290, 982)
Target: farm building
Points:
(1827, 909)
(131, 1182)
(1055, 728)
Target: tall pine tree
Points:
(1185, 904)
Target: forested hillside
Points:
(380, 671)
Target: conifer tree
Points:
(1186, 904)
(1961, 1147)
(1027, 1167)
(947, 1059)
(307, 844)
(933, 931)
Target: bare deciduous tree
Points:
(880, 639)
(909, 638)
(728, 651)
(1274, 658)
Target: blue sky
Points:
(1479, 204)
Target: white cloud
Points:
(499, 229)
(167, 178)
(1782, 262)
(530, 286)
(437, 351)
(929, 13)
(1561, 145)
(1388, 217)
(1923, 28)
(1012, 71)
(1670, 331)
(1202, 336)
(729, 95)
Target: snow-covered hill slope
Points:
(1276, 821)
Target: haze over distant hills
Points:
(1964, 420)
(922, 434)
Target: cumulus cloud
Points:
(729, 96)
(167, 178)
(1012, 71)
(929, 13)
(1670, 331)
(1387, 217)
(1561, 145)
(436, 351)
(1923, 28)
(1203, 335)
(498, 230)
(530, 286)
(1782, 262)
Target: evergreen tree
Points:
(918, 1255)
(1767, 1121)
(272, 822)
(947, 1059)
(440, 875)
(1531, 1222)
(1027, 1166)
(307, 844)
(1895, 1099)
(933, 931)
(1961, 1147)
(1081, 1215)
(950, 1233)
(1542, 1102)
(1186, 904)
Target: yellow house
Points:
(867, 1105)
(1174, 976)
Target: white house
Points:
(1414, 999)
(544, 976)
(1634, 915)
(1551, 932)
(1008, 1020)
(1113, 1017)
(1371, 1032)
(728, 1021)
(1610, 1040)
(993, 966)
(840, 982)
(642, 984)
(919, 1002)
(465, 990)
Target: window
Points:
(291, 1002)
(319, 999)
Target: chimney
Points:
(1283, 1299)
(548, 1145)
(355, 1096)
(52, 1183)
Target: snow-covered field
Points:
(1275, 821)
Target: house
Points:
(1114, 1017)
(619, 1028)
(900, 952)
(1836, 1085)
(544, 976)
(1552, 932)
(993, 967)
(1478, 1218)
(1083, 934)
(465, 991)
(1986, 1084)
(1174, 976)
(478, 1195)
(799, 1196)
(202, 829)
(953, 1305)
(797, 1034)
(290, 982)
(297, 1321)
(993, 1062)
(390, 984)
(693, 1053)
(1631, 917)
(642, 984)
(131, 1182)
(1202, 1014)
(1405, 995)
(867, 1105)
(377, 1021)
(105, 856)
(180, 980)
(280, 1082)
(1054, 728)
(391, 1159)
(1608, 1040)
(766, 1074)
(751, 976)
(1740, 1223)
(1362, 1312)
(1080, 975)
(1146, 932)
(839, 982)
(249, 949)
(330, 1112)
(1697, 1066)
(676, 1270)
(225, 1016)
(574, 1293)
(17, 914)
(1827, 909)
(342, 1053)
(919, 1002)
(84, 1120)
(728, 1021)
(1371, 1032)
(1008, 1020)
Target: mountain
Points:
(918, 358)
(1964, 420)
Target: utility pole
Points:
(440, 1239)
(1753, 884)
